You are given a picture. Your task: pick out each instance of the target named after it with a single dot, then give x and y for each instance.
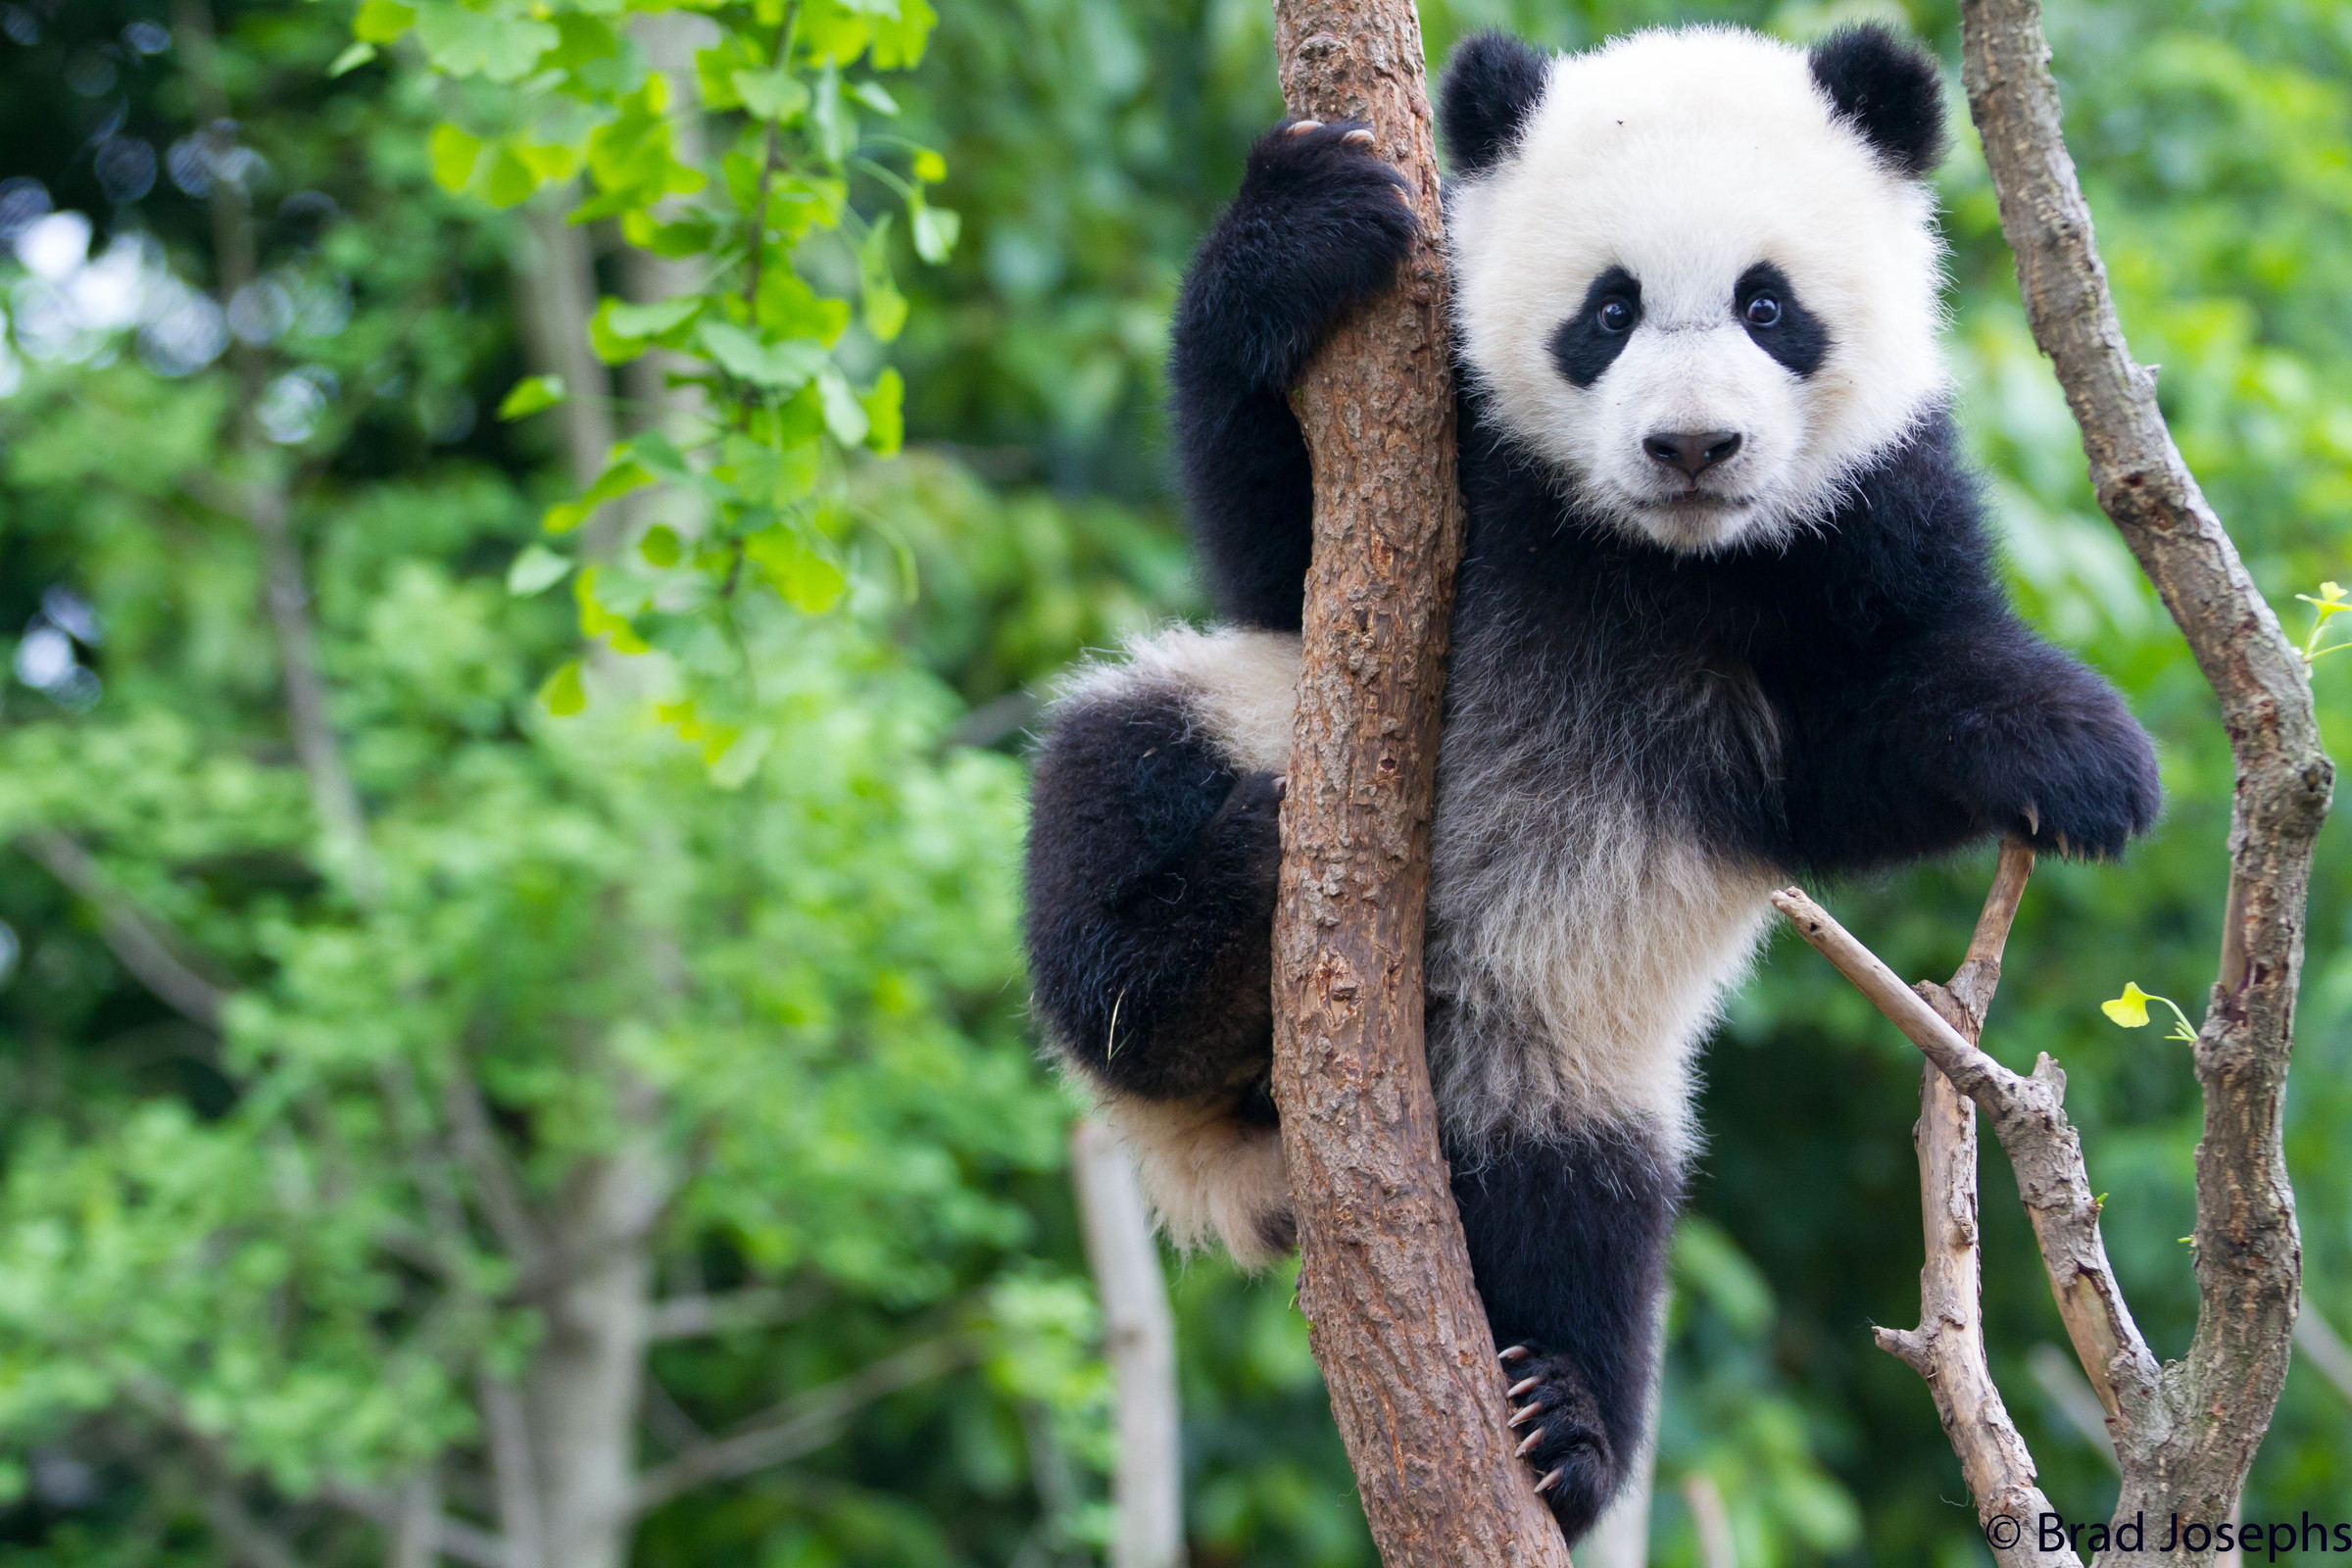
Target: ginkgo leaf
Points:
(2130, 1009)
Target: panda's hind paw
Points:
(1558, 1427)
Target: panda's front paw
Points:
(1321, 223)
(1560, 1436)
(2091, 791)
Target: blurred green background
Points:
(261, 1276)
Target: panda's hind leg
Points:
(1568, 1239)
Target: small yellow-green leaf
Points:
(536, 569)
(929, 167)
(598, 621)
(453, 154)
(351, 59)
(382, 20)
(2130, 1009)
(885, 310)
(511, 180)
(530, 395)
(563, 695)
(660, 546)
(885, 409)
(548, 160)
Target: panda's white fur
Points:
(1681, 155)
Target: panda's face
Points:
(1694, 291)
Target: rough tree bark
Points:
(2184, 1431)
(1385, 1281)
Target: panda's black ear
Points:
(1889, 90)
(1493, 83)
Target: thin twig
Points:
(800, 1425)
(127, 930)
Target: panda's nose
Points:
(1691, 451)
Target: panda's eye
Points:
(1763, 311)
(1616, 315)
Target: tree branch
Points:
(1384, 1275)
(390, 1511)
(688, 1318)
(2029, 1117)
(1947, 1348)
(262, 500)
(127, 931)
(802, 1424)
(2189, 1449)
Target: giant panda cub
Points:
(1728, 617)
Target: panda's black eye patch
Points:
(1590, 341)
(1777, 321)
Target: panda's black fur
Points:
(1637, 734)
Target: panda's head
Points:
(1697, 272)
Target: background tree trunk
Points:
(1139, 1331)
(1395, 1319)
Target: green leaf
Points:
(2130, 1009)
(885, 411)
(785, 366)
(617, 480)
(530, 395)
(660, 547)
(453, 154)
(935, 229)
(597, 621)
(844, 414)
(775, 95)
(510, 179)
(619, 331)
(929, 167)
(535, 571)
(382, 20)
(464, 42)
(885, 310)
(800, 576)
(351, 59)
(563, 695)
(733, 767)
(874, 96)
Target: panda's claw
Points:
(1517, 1352)
(1299, 128)
(1524, 1415)
(1530, 1441)
(1520, 1387)
(1552, 1478)
(1358, 137)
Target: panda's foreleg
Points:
(1568, 1239)
(1957, 731)
(1319, 223)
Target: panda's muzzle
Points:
(1693, 452)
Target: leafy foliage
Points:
(226, 1263)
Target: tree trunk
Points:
(587, 1374)
(1396, 1322)
(1139, 1332)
